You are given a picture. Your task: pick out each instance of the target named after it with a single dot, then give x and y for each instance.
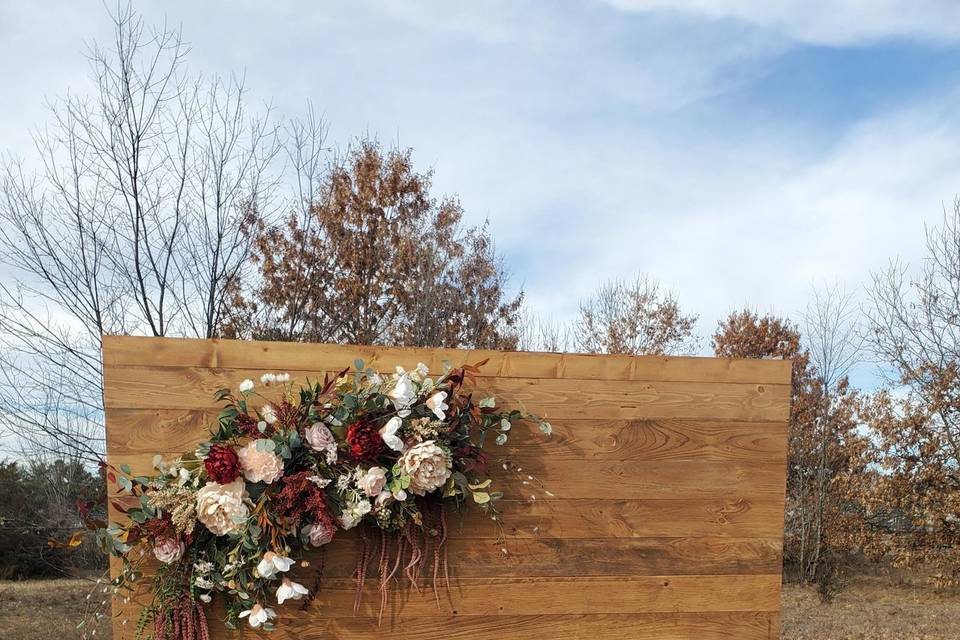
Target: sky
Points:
(738, 151)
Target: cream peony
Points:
(168, 550)
(428, 467)
(259, 465)
(221, 508)
(320, 439)
(373, 481)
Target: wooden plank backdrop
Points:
(668, 475)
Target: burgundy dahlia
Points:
(364, 440)
(222, 463)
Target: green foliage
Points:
(39, 503)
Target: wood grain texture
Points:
(176, 430)
(269, 356)
(193, 387)
(668, 475)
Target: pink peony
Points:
(259, 465)
(168, 550)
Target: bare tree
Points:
(834, 343)
(128, 221)
(914, 325)
(538, 334)
(634, 317)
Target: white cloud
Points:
(597, 142)
(829, 22)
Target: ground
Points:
(870, 609)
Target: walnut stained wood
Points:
(668, 475)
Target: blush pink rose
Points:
(168, 550)
(373, 482)
(320, 534)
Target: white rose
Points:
(373, 481)
(221, 508)
(428, 466)
(246, 386)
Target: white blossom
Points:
(436, 404)
(290, 590)
(389, 434)
(273, 563)
(258, 615)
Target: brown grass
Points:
(869, 609)
(51, 609)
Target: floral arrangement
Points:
(284, 474)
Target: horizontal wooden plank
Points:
(507, 596)
(268, 356)
(560, 596)
(625, 518)
(576, 479)
(633, 626)
(193, 388)
(153, 430)
(661, 626)
(558, 557)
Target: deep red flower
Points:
(364, 440)
(222, 464)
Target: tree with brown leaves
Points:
(818, 450)
(375, 259)
(913, 512)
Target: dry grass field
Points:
(871, 609)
